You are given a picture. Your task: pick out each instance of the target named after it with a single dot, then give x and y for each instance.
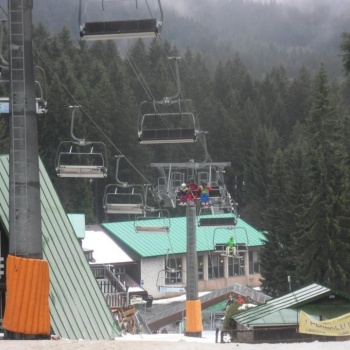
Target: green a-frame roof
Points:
(284, 309)
(77, 306)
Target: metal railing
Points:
(105, 273)
(114, 291)
(117, 299)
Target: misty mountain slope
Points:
(264, 34)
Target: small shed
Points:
(279, 318)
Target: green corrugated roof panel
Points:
(77, 306)
(4, 191)
(292, 300)
(152, 244)
(78, 223)
(281, 317)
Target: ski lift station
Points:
(156, 261)
(164, 256)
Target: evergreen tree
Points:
(345, 47)
(258, 173)
(277, 260)
(325, 234)
(298, 101)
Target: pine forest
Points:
(270, 90)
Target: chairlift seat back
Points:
(142, 28)
(220, 247)
(157, 136)
(86, 171)
(123, 203)
(172, 289)
(217, 222)
(152, 229)
(81, 164)
(123, 208)
(215, 192)
(241, 247)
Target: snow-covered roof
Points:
(105, 250)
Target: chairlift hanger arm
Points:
(3, 62)
(81, 142)
(178, 84)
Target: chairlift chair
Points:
(165, 121)
(205, 220)
(172, 175)
(155, 221)
(162, 128)
(123, 202)
(170, 279)
(241, 242)
(123, 197)
(40, 101)
(81, 158)
(119, 29)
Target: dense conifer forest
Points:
(268, 82)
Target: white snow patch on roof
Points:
(105, 250)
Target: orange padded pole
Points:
(193, 316)
(27, 300)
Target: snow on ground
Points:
(162, 342)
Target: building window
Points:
(236, 266)
(200, 267)
(215, 266)
(254, 264)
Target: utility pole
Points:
(27, 276)
(194, 326)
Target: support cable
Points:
(90, 118)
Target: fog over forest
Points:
(336, 6)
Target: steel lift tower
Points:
(27, 275)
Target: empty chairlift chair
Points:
(155, 221)
(118, 29)
(124, 198)
(166, 127)
(118, 202)
(207, 219)
(81, 158)
(172, 278)
(167, 121)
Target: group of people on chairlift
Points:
(189, 193)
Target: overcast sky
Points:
(337, 6)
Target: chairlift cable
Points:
(90, 118)
(148, 91)
(139, 75)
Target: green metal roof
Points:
(77, 306)
(281, 317)
(78, 223)
(272, 311)
(151, 244)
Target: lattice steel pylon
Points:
(27, 314)
(25, 215)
